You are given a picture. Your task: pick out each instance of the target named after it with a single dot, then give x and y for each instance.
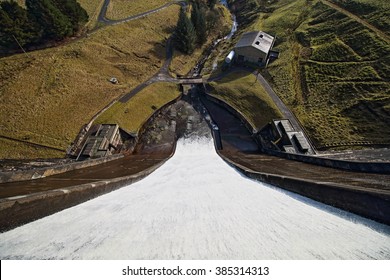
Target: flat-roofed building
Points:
(254, 47)
(281, 135)
(103, 140)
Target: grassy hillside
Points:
(375, 12)
(47, 96)
(119, 9)
(246, 95)
(135, 112)
(333, 71)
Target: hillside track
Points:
(378, 32)
(103, 19)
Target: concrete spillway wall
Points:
(20, 210)
(369, 204)
(358, 166)
(36, 173)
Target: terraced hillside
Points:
(334, 67)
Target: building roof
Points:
(257, 39)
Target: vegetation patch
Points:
(243, 93)
(219, 24)
(131, 115)
(39, 22)
(376, 12)
(120, 9)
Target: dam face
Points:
(197, 207)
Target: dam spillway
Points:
(198, 207)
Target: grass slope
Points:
(119, 9)
(242, 92)
(134, 113)
(375, 12)
(47, 96)
(333, 71)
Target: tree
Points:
(15, 26)
(199, 21)
(53, 23)
(185, 35)
(73, 11)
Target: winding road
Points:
(102, 15)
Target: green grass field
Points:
(242, 92)
(48, 95)
(134, 113)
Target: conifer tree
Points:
(195, 14)
(73, 11)
(54, 24)
(15, 26)
(199, 21)
(185, 35)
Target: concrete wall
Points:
(368, 167)
(23, 175)
(251, 54)
(369, 204)
(235, 112)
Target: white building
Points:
(254, 47)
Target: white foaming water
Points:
(197, 207)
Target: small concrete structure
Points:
(254, 47)
(104, 140)
(281, 135)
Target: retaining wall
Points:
(31, 174)
(359, 166)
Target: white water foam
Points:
(197, 207)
